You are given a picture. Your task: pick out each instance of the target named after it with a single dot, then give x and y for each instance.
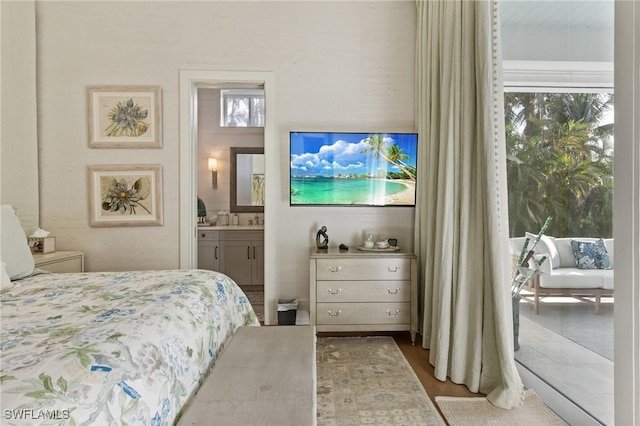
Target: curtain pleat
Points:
(461, 209)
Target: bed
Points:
(111, 347)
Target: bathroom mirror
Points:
(247, 180)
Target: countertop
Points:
(232, 228)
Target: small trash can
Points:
(287, 309)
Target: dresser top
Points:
(353, 252)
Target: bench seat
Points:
(266, 375)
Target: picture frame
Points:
(125, 195)
(124, 116)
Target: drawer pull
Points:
(334, 269)
(334, 315)
(395, 269)
(393, 291)
(334, 291)
(393, 315)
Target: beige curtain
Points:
(461, 212)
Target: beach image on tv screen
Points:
(358, 169)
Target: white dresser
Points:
(363, 291)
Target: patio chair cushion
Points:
(561, 271)
(577, 278)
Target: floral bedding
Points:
(126, 348)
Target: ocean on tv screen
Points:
(346, 191)
(329, 168)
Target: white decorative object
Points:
(383, 244)
(41, 242)
(369, 242)
(39, 233)
(222, 218)
(42, 245)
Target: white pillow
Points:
(546, 267)
(546, 245)
(552, 249)
(15, 251)
(6, 281)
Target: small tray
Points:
(390, 248)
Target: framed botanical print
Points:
(124, 116)
(125, 195)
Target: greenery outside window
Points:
(560, 162)
(242, 108)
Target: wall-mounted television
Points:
(352, 169)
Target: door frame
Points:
(190, 82)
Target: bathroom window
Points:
(242, 108)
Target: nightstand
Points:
(60, 261)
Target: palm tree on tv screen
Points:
(391, 154)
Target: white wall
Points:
(345, 66)
(626, 219)
(18, 123)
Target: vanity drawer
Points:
(363, 313)
(382, 268)
(208, 235)
(363, 291)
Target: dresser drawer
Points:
(363, 313)
(363, 291)
(60, 261)
(382, 268)
(63, 266)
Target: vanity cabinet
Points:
(363, 291)
(209, 250)
(242, 256)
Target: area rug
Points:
(473, 411)
(367, 380)
(256, 298)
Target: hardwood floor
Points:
(419, 360)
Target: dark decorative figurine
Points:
(324, 243)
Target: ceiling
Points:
(548, 13)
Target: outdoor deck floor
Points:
(571, 348)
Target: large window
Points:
(560, 162)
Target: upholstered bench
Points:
(266, 375)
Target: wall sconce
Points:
(213, 166)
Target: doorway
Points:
(190, 82)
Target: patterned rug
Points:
(478, 411)
(367, 380)
(256, 298)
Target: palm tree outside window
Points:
(560, 162)
(242, 108)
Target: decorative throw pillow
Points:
(591, 255)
